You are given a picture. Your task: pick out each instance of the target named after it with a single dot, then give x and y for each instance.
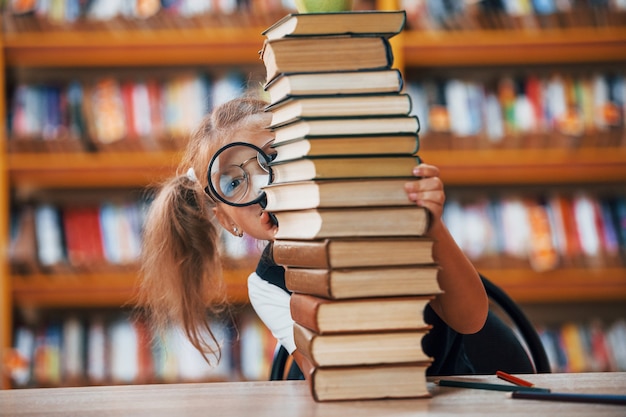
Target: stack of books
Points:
(357, 262)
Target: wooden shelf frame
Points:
(458, 167)
(240, 46)
(101, 289)
(530, 166)
(118, 289)
(100, 169)
(127, 48)
(513, 47)
(561, 285)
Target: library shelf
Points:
(238, 46)
(561, 285)
(118, 289)
(529, 166)
(513, 47)
(193, 46)
(101, 289)
(458, 167)
(98, 169)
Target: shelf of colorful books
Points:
(100, 289)
(561, 285)
(83, 49)
(508, 47)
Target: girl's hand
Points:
(427, 190)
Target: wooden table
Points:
(292, 398)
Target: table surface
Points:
(293, 398)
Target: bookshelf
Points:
(482, 55)
(237, 46)
(433, 50)
(232, 46)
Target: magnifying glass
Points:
(237, 174)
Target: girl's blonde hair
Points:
(181, 275)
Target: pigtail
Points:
(181, 270)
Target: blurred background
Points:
(521, 104)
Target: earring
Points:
(237, 232)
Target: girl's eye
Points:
(232, 186)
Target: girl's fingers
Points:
(427, 190)
(425, 171)
(424, 184)
(430, 197)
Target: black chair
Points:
(495, 347)
(277, 372)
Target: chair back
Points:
(497, 347)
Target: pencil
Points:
(513, 379)
(571, 397)
(487, 386)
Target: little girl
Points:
(181, 268)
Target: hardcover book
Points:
(316, 54)
(370, 348)
(353, 252)
(363, 167)
(325, 316)
(22, 251)
(329, 83)
(352, 222)
(344, 283)
(83, 237)
(359, 23)
(369, 382)
(294, 108)
(302, 195)
(405, 144)
(348, 126)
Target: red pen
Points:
(513, 379)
